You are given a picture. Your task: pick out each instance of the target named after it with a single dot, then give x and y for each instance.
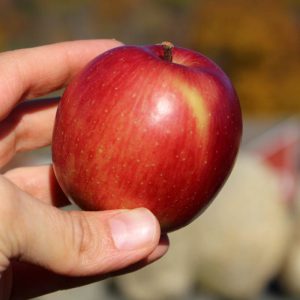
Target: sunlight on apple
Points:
(163, 109)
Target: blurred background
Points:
(246, 245)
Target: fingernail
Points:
(133, 229)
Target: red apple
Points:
(147, 126)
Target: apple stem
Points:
(168, 55)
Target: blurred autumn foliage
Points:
(257, 42)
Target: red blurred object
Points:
(279, 148)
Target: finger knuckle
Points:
(85, 242)
(8, 205)
(8, 215)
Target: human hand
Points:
(43, 248)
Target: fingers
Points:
(40, 182)
(31, 73)
(37, 71)
(28, 127)
(72, 243)
(32, 281)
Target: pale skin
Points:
(42, 248)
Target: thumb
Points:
(72, 243)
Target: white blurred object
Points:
(169, 278)
(243, 236)
(233, 250)
(279, 148)
(290, 275)
(93, 291)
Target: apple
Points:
(153, 126)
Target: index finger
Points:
(32, 72)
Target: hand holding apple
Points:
(147, 126)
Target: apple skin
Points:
(136, 130)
